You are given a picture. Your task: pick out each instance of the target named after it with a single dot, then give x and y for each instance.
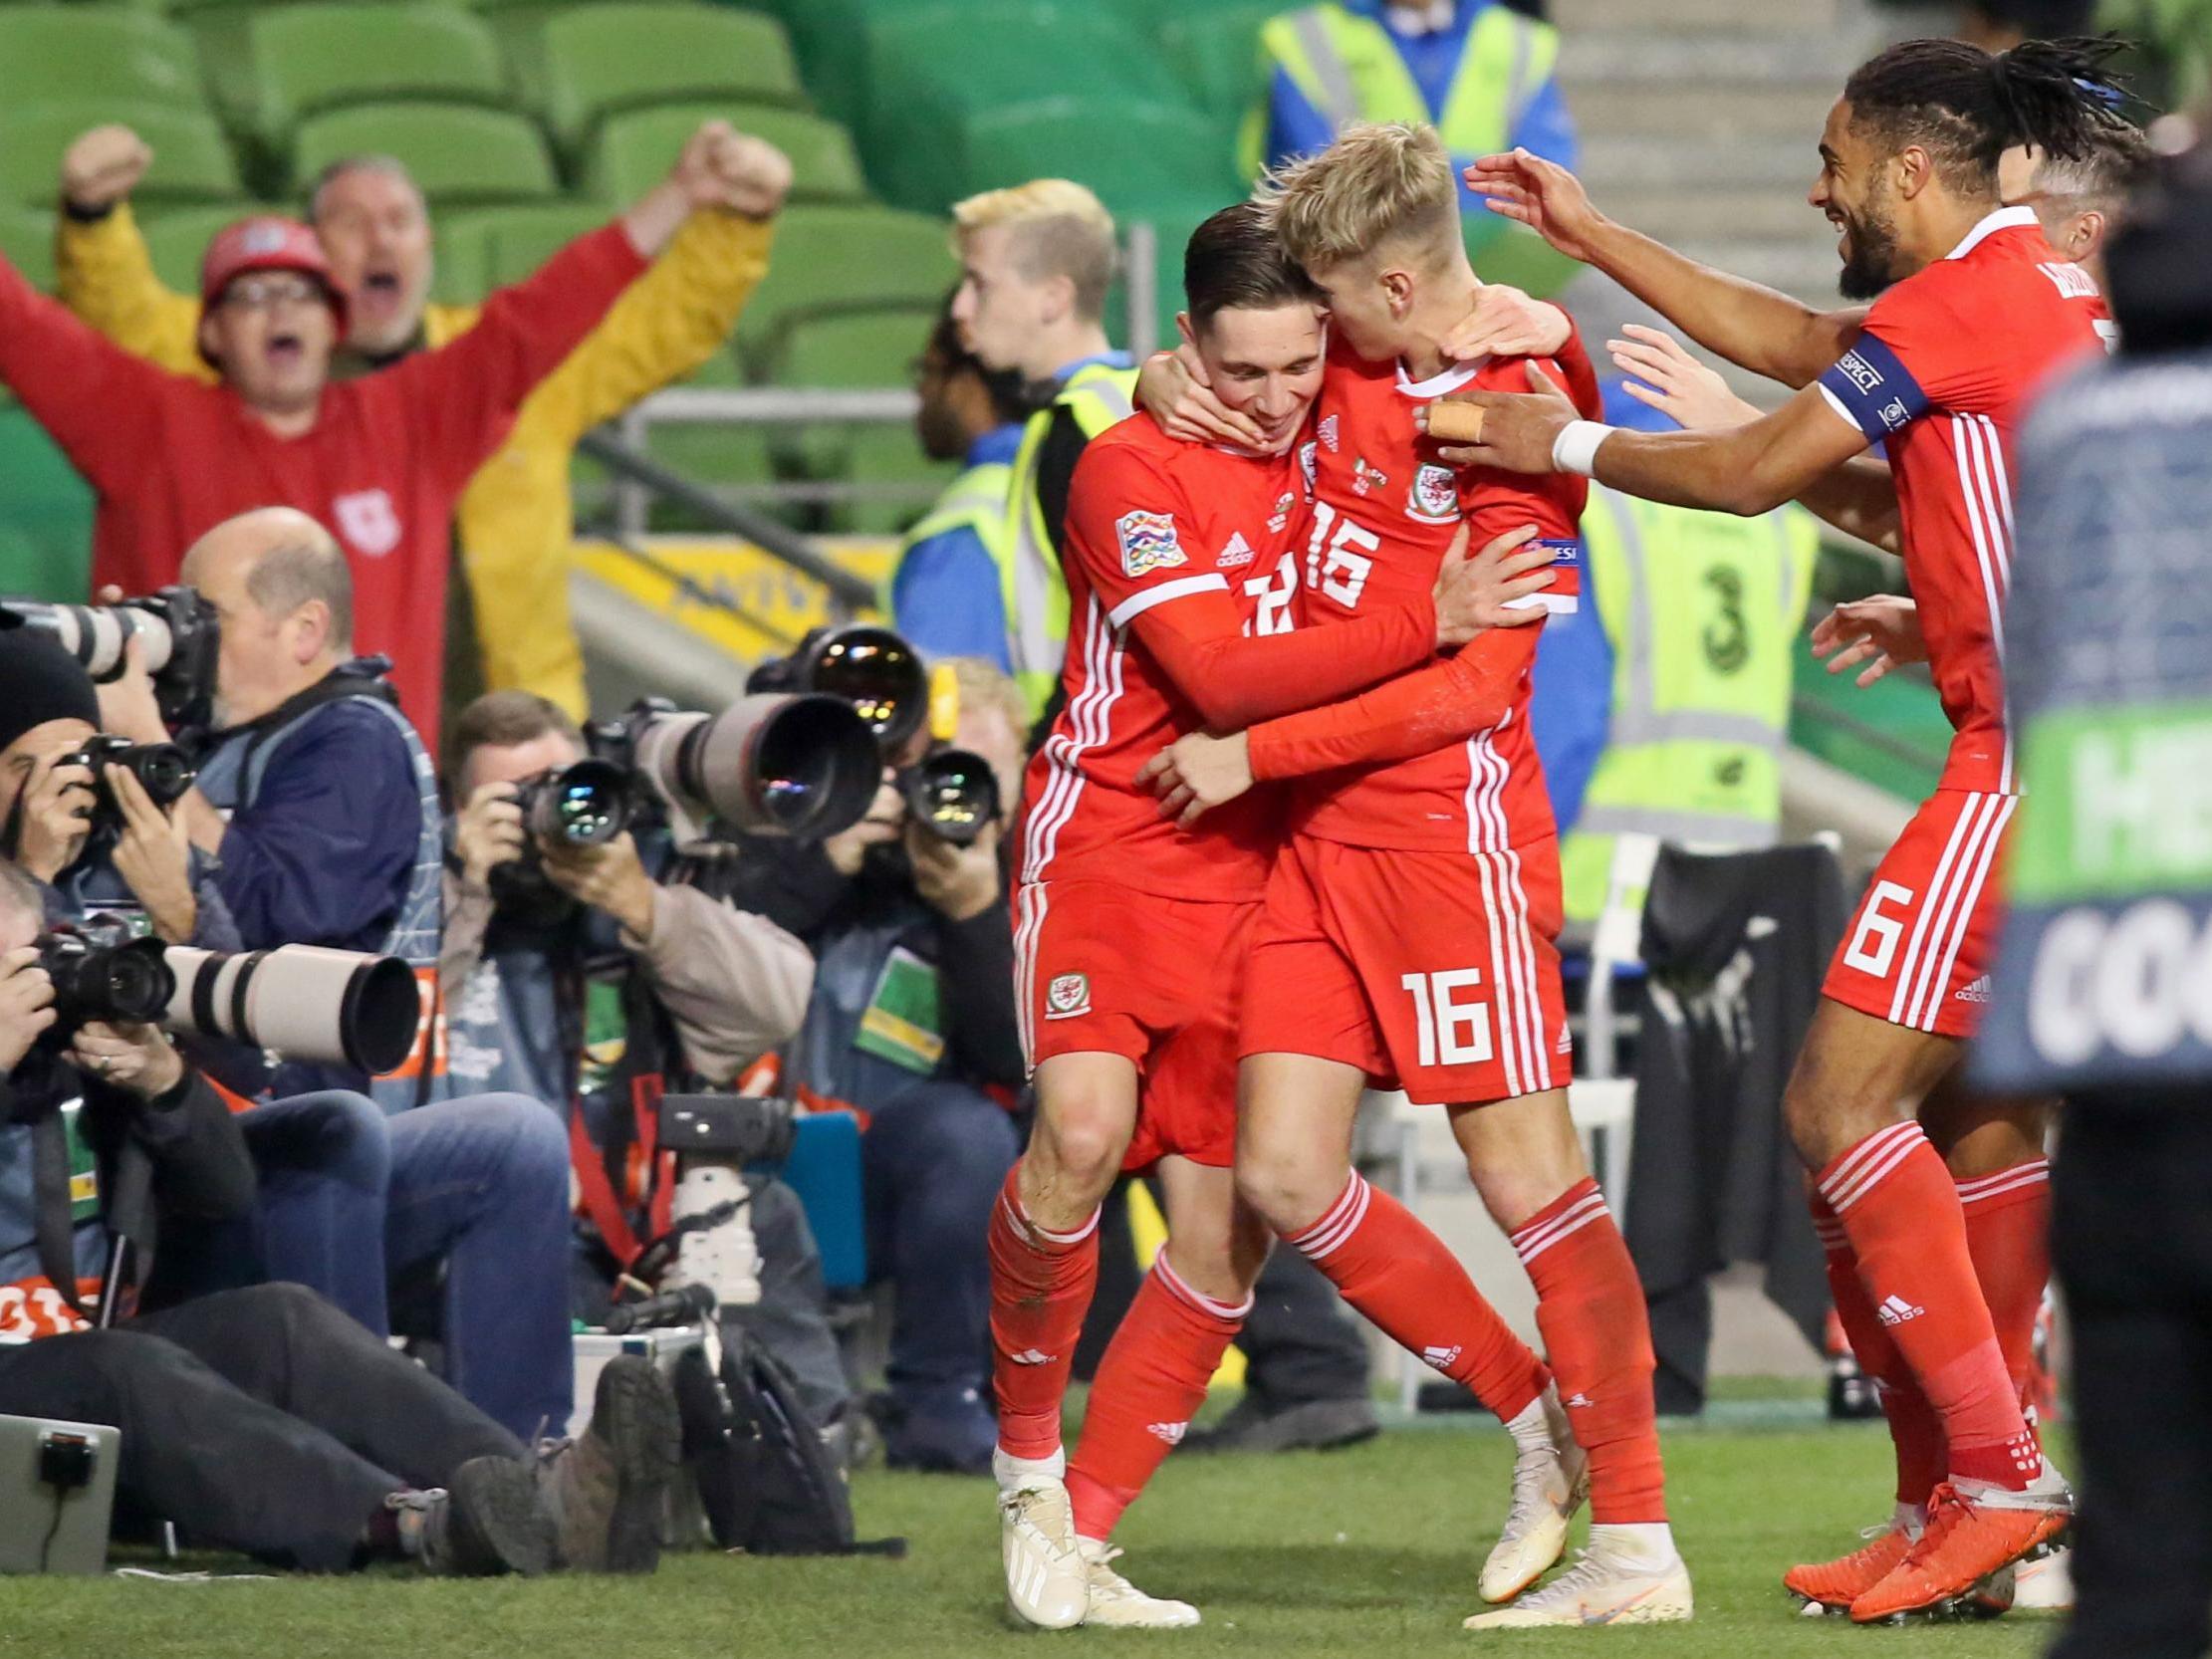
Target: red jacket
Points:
(382, 469)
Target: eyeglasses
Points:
(262, 293)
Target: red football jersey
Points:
(1154, 522)
(1385, 508)
(1940, 375)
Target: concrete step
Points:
(1671, 60)
(1655, 161)
(1789, 115)
(1762, 214)
(1792, 17)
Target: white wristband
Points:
(1576, 447)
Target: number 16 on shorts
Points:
(1451, 1023)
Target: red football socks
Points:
(2008, 1232)
(1399, 1275)
(1041, 1284)
(1590, 1307)
(1901, 1211)
(1150, 1381)
(1914, 1429)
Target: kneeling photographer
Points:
(327, 828)
(912, 1023)
(590, 958)
(261, 1420)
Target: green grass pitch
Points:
(1369, 1551)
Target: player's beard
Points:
(1872, 264)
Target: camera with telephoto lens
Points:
(952, 792)
(785, 764)
(100, 972)
(584, 803)
(162, 769)
(302, 1002)
(175, 628)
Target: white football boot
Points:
(1046, 1582)
(1548, 1486)
(1600, 1589)
(1115, 1601)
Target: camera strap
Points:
(55, 1227)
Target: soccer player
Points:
(1130, 931)
(1407, 939)
(1975, 309)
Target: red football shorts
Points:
(1917, 952)
(1432, 971)
(1099, 969)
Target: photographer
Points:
(325, 849)
(912, 1023)
(260, 1420)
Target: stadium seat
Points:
(602, 60)
(1215, 54)
(310, 57)
(27, 241)
(834, 260)
(1157, 149)
(106, 55)
(515, 241)
(634, 151)
(722, 457)
(191, 162)
(463, 157)
(176, 241)
(48, 508)
(867, 350)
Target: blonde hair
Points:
(984, 685)
(1379, 182)
(1060, 230)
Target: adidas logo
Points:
(1578, 1401)
(1238, 552)
(1030, 1356)
(1894, 1310)
(1977, 991)
(1329, 433)
(1440, 1358)
(1565, 1043)
(1172, 1433)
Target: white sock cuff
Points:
(1018, 1218)
(1871, 1162)
(1180, 1288)
(2020, 1177)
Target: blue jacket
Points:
(945, 597)
(1294, 128)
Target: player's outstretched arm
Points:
(1751, 325)
(1748, 469)
(1858, 498)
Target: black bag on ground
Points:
(767, 1482)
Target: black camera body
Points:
(177, 629)
(102, 973)
(162, 769)
(585, 804)
(953, 793)
(731, 1129)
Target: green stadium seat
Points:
(829, 261)
(1215, 54)
(865, 350)
(106, 55)
(27, 241)
(1000, 52)
(517, 240)
(635, 152)
(191, 161)
(823, 33)
(177, 240)
(460, 262)
(460, 156)
(1156, 149)
(722, 458)
(310, 57)
(49, 510)
(605, 59)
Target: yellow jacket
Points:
(516, 521)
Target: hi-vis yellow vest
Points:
(976, 500)
(1703, 612)
(1349, 70)
(1030, 578)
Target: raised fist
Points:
(723, 167)
(103, 166)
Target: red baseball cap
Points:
(268, 244)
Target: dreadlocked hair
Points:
(1966, 106)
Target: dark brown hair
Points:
(1236, 260)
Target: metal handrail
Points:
(847, 593)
